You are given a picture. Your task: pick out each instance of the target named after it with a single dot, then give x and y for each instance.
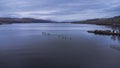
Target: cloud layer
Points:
(60, 9)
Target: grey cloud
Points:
(60, 9)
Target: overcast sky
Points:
(60, 9)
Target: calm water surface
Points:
(57, 46)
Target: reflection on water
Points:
(115, 29)
(115, 38)
(57, 46)
(115, 47)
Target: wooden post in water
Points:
(113, 31)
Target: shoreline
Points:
(111, 25)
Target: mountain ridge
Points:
(101, 21)
(7, 20)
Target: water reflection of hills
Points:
(115, 38)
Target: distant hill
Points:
(103, 21)
(23, 20)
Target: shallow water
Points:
(48, 45)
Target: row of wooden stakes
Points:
(57, 35)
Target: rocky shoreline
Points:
(105, 32)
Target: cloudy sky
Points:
(61, 10)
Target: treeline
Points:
(23, 20)
(103, 21)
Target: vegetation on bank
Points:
(103, 21)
